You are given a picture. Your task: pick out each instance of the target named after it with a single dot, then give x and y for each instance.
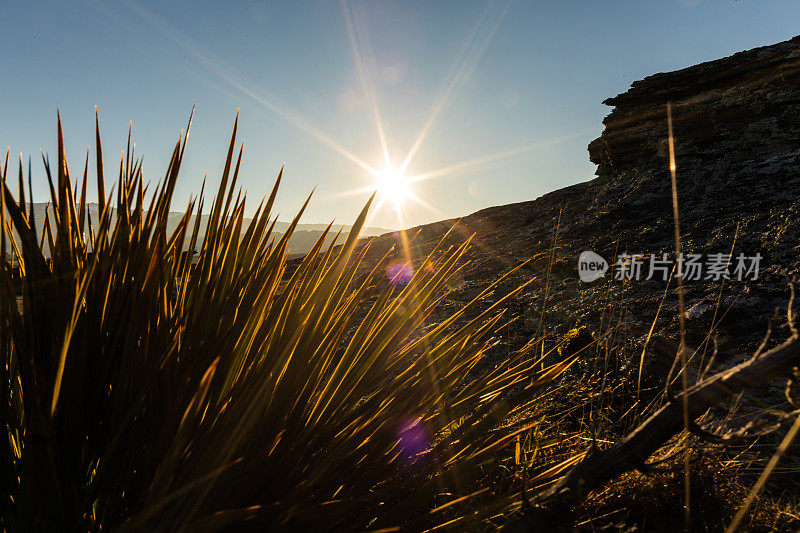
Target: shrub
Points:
(142, 391)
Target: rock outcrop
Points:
(737, 132)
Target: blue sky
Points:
(518, 87)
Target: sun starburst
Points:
(393, 186)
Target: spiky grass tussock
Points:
(142, 391)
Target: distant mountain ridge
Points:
(302, 240)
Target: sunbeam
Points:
(505, 154)
(464, 66)
(366, 80)
(217, 67)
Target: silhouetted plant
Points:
(142, 391)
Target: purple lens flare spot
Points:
(399, 274)
(412, 437)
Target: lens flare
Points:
(400, 273)
(413, 438)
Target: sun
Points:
(393, 185)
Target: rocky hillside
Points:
(737, 143)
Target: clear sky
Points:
(511, 93)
